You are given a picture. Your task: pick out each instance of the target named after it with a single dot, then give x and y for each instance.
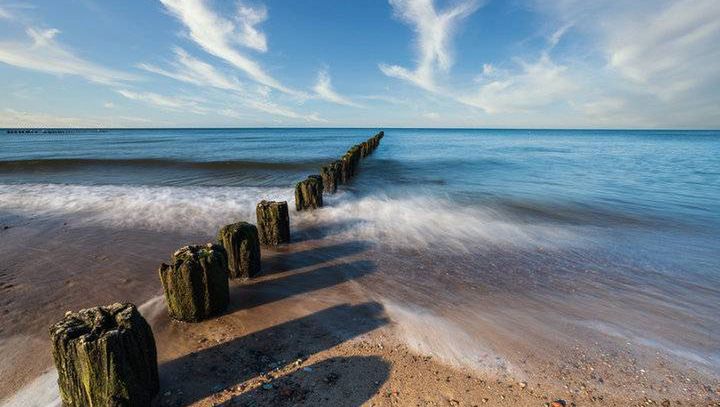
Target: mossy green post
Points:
(242, 246)
(273, 223)
(105, 356)
(196, 282)
(331, 175)
(308, 193)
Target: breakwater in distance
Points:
(106, 355)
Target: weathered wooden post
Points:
(242, 246)
(273, 222)
(196, 282)
(345, 169)
(308, 193)
(105, 356)
(365, 148)
(331, 175)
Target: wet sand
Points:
(314, 329)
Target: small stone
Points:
(522, 385)
(307, 369)
(558, 403)
(267, 386)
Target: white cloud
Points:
(5, 14)
(167, 102)
(192, 70)
(323, 88)
(109, 105)
(44, 54)
(275, 109)
(218, 35)
(248, 17)
(535, 85)
(673, 49)
(18, 119)
(434, 31)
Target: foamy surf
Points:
(429, 334)
(148, 207)
(41, 392)
(423, 222)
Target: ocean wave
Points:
(202, 209)
(58, 164)
(421, 222)
(413, 222)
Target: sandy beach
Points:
(306, 332)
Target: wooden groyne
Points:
(106, 356)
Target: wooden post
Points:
(273, 223)
(105, 356)
(241, 244)
(331, 176)
(308, 193)
(196, 282)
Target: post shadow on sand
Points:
(340, 381)
(263, 292)
(197, 375)
(322, 230)
(281, 262)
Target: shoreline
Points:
(309, 303)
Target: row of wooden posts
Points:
(106, 356)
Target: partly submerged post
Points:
(241, 244)
(196, 282)
(273, 223)
(105, 356)
(308, 193)
(331, 176)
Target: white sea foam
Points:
(149, 207)
(426, 221)
(408, 222)
(709, 360)
(41, 392)
(430, 334)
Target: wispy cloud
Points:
(324, 90)
(192, 70)
(20, 119)
(167, 102)
(219, 36)
(278, 110)
(248, 17)
(44, 53)
(536, 84)
(434, 31)
(673, 51)
(4, 13)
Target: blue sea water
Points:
(624, 225)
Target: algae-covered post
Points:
(242, 246)
(105, 356)
(308, 193)
(196, 282)
(331, 176)
(273, 222)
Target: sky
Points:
(362, 63)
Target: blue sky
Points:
(369, 63)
